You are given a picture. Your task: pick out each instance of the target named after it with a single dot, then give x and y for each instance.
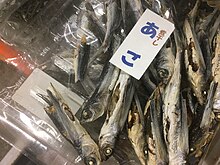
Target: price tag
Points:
(142, 44)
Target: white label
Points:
(38, 82)
(142, 44)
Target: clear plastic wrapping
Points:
(38, 34)
(38, 40)
(33, 137)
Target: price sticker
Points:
(142, 44)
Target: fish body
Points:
(194, 62)
(206, 32)
(136, 130)
(173, 112)
(157, 129)
(81, 59)
(94, 24)
(216, 72)
(71, 129)
(116, 114)
(113, 22)
(207, 115)
(136, 6)
(123, 11)
(149, 84)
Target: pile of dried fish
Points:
(170, 115)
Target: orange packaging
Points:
(10, 55)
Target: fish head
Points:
(86, 115)
(164, 74)
(145, 150)
(143, 154)
(91, 154)
(50, 100)
(88, 112)
(92, 160)
(106, 144)
(165, 64)
(106, 150)
(53, 100)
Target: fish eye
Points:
(145, 150)
(191, 149)
(90, 161)
(86, 114)
(108, 151)
(204, 93)
(163, 73)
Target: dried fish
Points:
(151, 78)
(123, 12)
(155, 5)
(62, 116)
(98, 102)
(149, 84)
(180, 111)
(194, 62)
(136, 130)
(136, 6)
(116, 114)
(190, 101)
(151, 152)
(215, 71)
(103, 57)
(206, 119)
(94, 24)
(81, 57)
(113, 22)
(206, 32)
(173, 112)
(197, 148)
(193, 13)
(209, 24)
(157, 130)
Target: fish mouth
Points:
(45, 98)
(52, 97)
(90, 161)
(107, 151)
